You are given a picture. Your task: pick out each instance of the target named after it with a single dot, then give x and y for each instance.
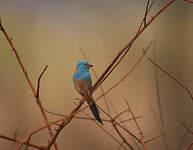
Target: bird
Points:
(83, 84)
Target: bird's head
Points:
(83, 66)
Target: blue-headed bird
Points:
(83, 84)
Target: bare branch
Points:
(183, 139)
(172, 77)
(146, 11)
(125, 49)
(154, 138)
(38, 87)
(38, 101)
(40, 147)
(188, 128)
(118, 115)
(137, 117)
(190, 1)
(108, 133)
(137, 125)
(110, 68)
(162, 128)
(188, 146)
(122, 137)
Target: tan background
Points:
(52, 32)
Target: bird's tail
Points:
(94, 109)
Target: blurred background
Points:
(53, 32)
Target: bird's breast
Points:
(82, 86)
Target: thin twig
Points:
(114, 121)
(20, 145)
(38, 87)
(122, 137)
(162, 129)
(124, 51)
(146, 12)
(38, 101)
(137, 117)
(101, 127)
(188, 146)
(128, 45)
(120, 146)
(76, 117)
(172, 77)
(76, 110)
(190, 1)
(118, 115)
(154, 138)
(183, 139)
(188, 128)
(145, 15)
(137, 125)
(67, 119)
(25, 142)
(28, 141)
(157, 89)
(18, 140)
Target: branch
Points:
(107, 132)
(38, 87)
(137, 117)
(190, 1)
(118, 115)
(122, 137)
(162, 128)
(76, 117)
(146, 12)
(172, 77)
(96, 76)
(188, 146)
(114, 121)
(183, 139)
(28, 79)
(34, 145)
(140, 131)
(188, 128)
(137, 125)
(154, 138)
(125, 49)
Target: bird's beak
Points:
(90, 65)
